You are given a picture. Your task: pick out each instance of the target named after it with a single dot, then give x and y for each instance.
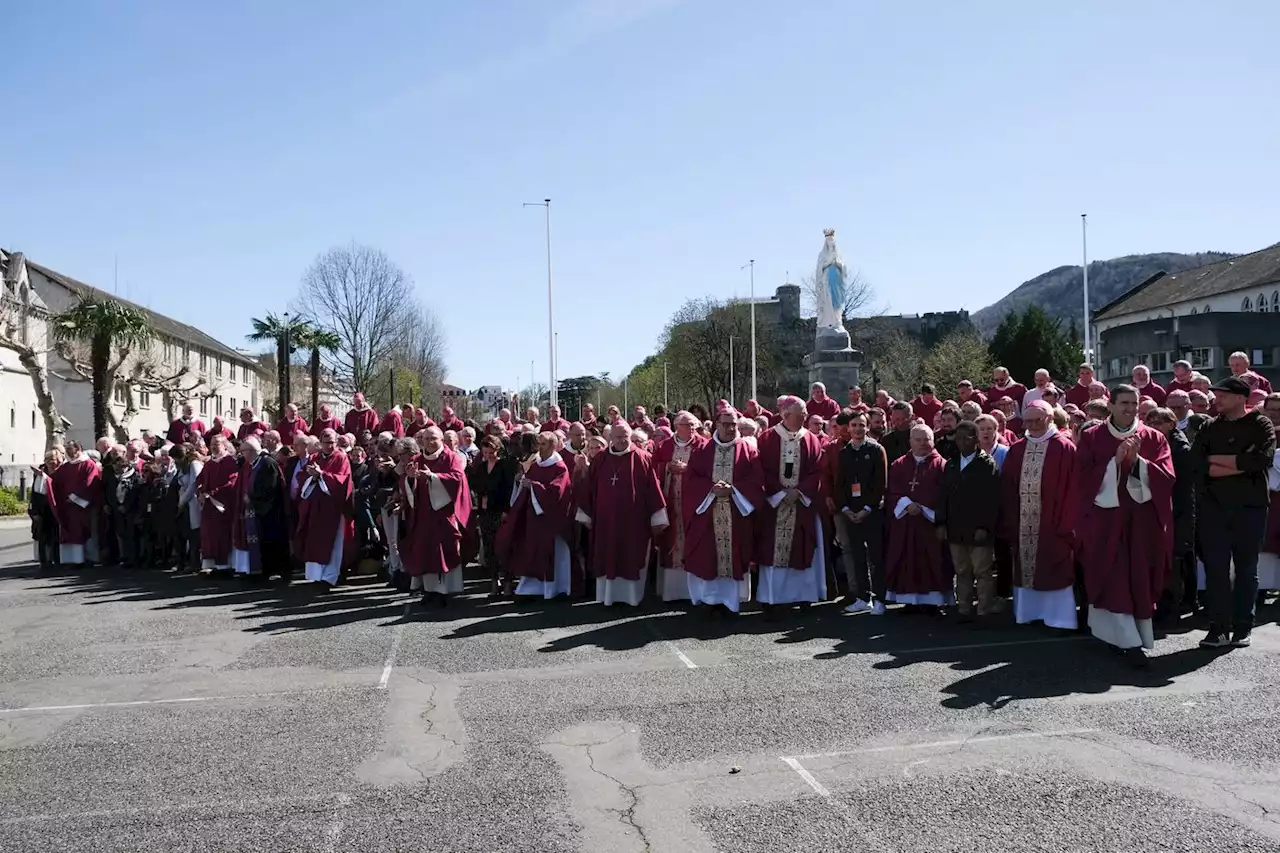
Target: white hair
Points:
(470, 433)
(253, 443)
(926, 431)
(1042, 370)
(818, 385)
(639, 435)
(747, 426)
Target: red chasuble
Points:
(621, 496)
(414, 427)
(1178, 385)
(926, 411)
(183, 431)
(1014, 391)
(1043, 552)
(254, 428)
(720, 542)
(451, 422)
(392, 422)
(671, 544)
(551, 426)
(81, 478)
(321, 425)
(218, 480)
(526, 542)
(1126, 551)
(321, 515)
(914, 563)
(775, 524)
(1154, 391)
(218, 429)
(288, 429)
(1078, 394)
(433, 536)
(361, 419)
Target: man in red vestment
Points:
(965, 393)
(1239, 362)
(216, 492)
(554, 422)
(856, 403)
(754, 410)
(820, 404)
(1124, 487)
(1003, 387)
(437, 509)
(915, 574)
(1181, 379)
(724, 487)
(250, 425)
(1079, 393)
(360, 418)
(1039, 506)
(533, 541)
(288, 426)
(324, 528)
(77, 488)
(791, 548)
(418, 424)
(218, 429)
(392, 422)
(623, 507)
(926, 406)
(324, 422)
(449, 420)
(1147, 388)
(670, 461)
(186, 427)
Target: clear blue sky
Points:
(217, 148)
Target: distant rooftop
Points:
(1244, 272)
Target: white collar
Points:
(1006, 384)
(969, 458)
(715, 436)
(613, 452)
(432, 457)
(920, 459)
(781, 429)
(683, 443)
(549, 461)
(1048, 434)
(1122, 433)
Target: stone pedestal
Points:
(835, 368)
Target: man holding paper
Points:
(77, 486)
(216, 491)
(324, 523)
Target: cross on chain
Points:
(614, 480)
(915, 478)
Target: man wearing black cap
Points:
(1233, 453)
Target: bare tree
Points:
(16, 326)
(359, 293)
(897, 363)
(857, 295)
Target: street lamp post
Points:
(752, 265)
(551, 324)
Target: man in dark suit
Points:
(861, 479)
(966, 520)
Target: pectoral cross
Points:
(915, 478)
(614, 480)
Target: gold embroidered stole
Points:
(722, 510)
(785, 525)
(675, 499)
(1029, 506)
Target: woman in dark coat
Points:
(492, 480)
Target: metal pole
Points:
(1084, 249)
(288, 358)
(732, 395)
(752, 265)
(665, 404)
(625, 403)
(551, 325)
(555, 396)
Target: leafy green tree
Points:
(962, 354)
(273, 328)
(318, 340)
(1025, 342)
(104, 325)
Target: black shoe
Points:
(1137, 658)
(1240, 639)
(1215, 639)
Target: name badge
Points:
(855, 490)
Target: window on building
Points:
(1260, 358)
(118, 394)
(13, 417)
(218, 404)
(167, 351)
(1193, 310)
(1113, 368)
(1247, 305)
(1201, 358)
(245, 374)
(33, 420)
(204, 405)
(1275, 301)
(234, 410)
(1206, 310)
(144, 399)
(217, 366)
(1158, 362)
(1262, 303)
(204, 360)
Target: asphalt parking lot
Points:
(147, 711)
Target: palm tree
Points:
(316, 339)
(273, 328)
(104, 325)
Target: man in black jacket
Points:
(1233, 453)
(897, 441)
(861, 479)
(1180, 588)
(966, 520)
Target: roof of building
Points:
(1161, 290)
(163, 325)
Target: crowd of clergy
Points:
(1111, 510)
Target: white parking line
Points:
(795, 765)
(186, 700)
(939, 744)
(217, 806)
(685, 659)
(391, 657)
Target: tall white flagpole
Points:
(1084, 249)
(732, 397)
(752, 265)
(665, 404)
(551, 324)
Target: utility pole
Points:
(752, 265)
(551, 324)
(665, 404)
(732, 397)
(1084, 250)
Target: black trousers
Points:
(863, 547)
(1227, 535)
